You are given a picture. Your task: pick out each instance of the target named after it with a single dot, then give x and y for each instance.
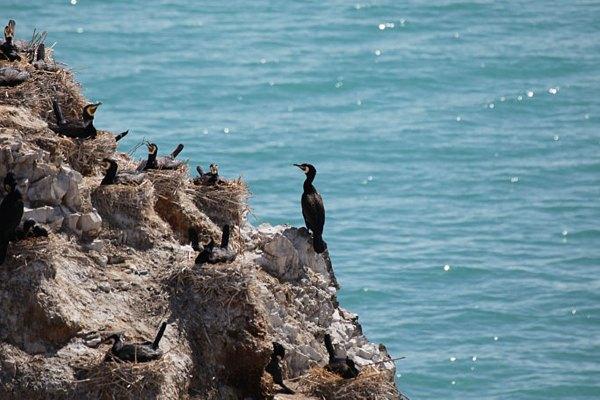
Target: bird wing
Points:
(313, 212)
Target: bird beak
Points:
(298, 165)
(98, 104)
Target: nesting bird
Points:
(111, 177)
(313, 209)
(81, 130)
(11, 76)
(155, 162)
(11, 212)
(343, 367)
(30, 229)
(207, 178)
(7, 49)
(209, 254)
(274, 367)
(135, 352)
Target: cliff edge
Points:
(117, 259)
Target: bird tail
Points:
(3, 251)
(286, 389)
(319, 244)
(159, 335)
(193, 238)
(60, 119)
(225, 237)
(329, 346)
(121, 135)
(177, 150)
(199, 170)
(41, 52)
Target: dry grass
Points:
(125, 205)
(86, 155)
(168, 182)
(119, 380)
(371, 384)
(224, 203)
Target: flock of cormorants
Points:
(12, 207)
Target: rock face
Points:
(117, 259)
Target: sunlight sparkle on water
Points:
(446, 267)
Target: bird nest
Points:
(120, 380)
(125, 206)
(37, 92)
(168, 182)
(225, 203)
(371, 384)
(86, 155)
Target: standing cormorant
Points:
(110, 177)
(8, 49)
(11, 212)
(209, 253)
(135, 352)
(80, 130)
(274, 367)
(166, 162)
(343, 367)
(312, 208)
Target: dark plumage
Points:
(274, 367)
(135, 352)
(312, 208)
(208, 178)
(81, 130)
(166, 162)
(343, 367)
(11, 212)
(110, 178)
(7, 49)
(30, 229)
(121, 135)
(209, 254)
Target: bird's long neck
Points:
(159, 335)
(329, 346)
(225, 237)
(111, 173)
(151, 159)
(308, 182)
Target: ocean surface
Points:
(457, 145)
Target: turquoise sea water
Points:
(459, 133)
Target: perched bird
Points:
(110, 177)
(312, 208)
(121, 135)
(7, 49)
(274, 367)
(155, 162)
(11, 212)
(135, 352)
(209, 254)
(11, 76)
(30, 229)
(343, 367)
(208, 178)
(80, 130)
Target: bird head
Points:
(278, 350)
(152, 148)
(10, 182)
(214, 169)
(28, 224)
(306, 168)
(90, 110)
(9, 30)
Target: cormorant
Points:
(343, 367)
(81, 130)
(209, 254)
(312, 208)
(208, 178)
(11, 76)
(135, 352)
(166, 162)
(110, 177)
(121, 135)
(11, 212)
(274, 368)
(8, 49)
(30, 230)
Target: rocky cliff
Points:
(117, 259)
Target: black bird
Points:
(208, 178)
(110, 178)
(312, 208)
(11, 212)
(209, 254)
(274, 367)
(121, 135)
(80, 130)
(155, 162)
(135, 352)
(8, 49)
(30, 229)
(343, 367)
